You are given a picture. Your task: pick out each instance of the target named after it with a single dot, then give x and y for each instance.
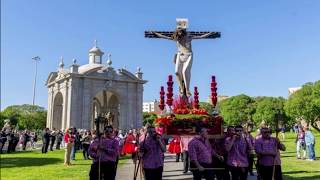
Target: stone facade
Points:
(76, 96)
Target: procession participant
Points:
(151, 151)
(201, 152)
(230, 131)
(53, 135)
(59, 139)
(45, 140)
(34, 139)
(86, 140)
(238, 149)
(116, 137)
(3, 139)
(185, 153)
(130, 145)
(10, 141)
(250, 139)
(142, 133)
(13, 139)
(15, 142)
(121, 139)
(175, 148)
(69, 141)
(106, 151)
(267, 149)
(25, 139)
(221, 172)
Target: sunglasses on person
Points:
(109, 130)
(266, 132)
(238, 130)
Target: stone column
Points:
(49, 112)
(131, 105)
(123, 118)
(75, 102)
(65, 104)
(139, 103)
(87, 104)
(70, 104)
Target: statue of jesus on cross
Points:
(183, 58)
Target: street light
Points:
(36, 59)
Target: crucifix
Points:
(183, 58)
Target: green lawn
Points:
(300, 169)
(33, 165)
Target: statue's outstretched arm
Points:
(161, 35)
(203, 36)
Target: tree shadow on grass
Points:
(27, 161)
(286, 177)
(299, 172)
(289, 175)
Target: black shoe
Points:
(184, 172)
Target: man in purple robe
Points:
(201, 152)
(267, 150)
(152, 150)
(104, 152)
(238, 149)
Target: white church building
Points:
(78, 94)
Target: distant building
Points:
(293, 90)
(151, 106)
(79, 93)
(220, 98)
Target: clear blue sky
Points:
(266, 46)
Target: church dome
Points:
(96, 50)
(88, 68)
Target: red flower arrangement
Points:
(180, 103)
(163, 121)
(199, 111)
(173, 126)
(189, 115)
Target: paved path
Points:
(172, 170)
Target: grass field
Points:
(33, 165)
(37, 166)
(294, 168)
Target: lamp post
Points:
(36, 59)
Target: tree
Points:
(207, 106)
(237, 109)
(11, 114)
(149, 118)
(25, 116)
(305, 104)
(270, 111)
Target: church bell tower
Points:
(95, 54)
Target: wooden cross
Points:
(183, 57)
(150, 34)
